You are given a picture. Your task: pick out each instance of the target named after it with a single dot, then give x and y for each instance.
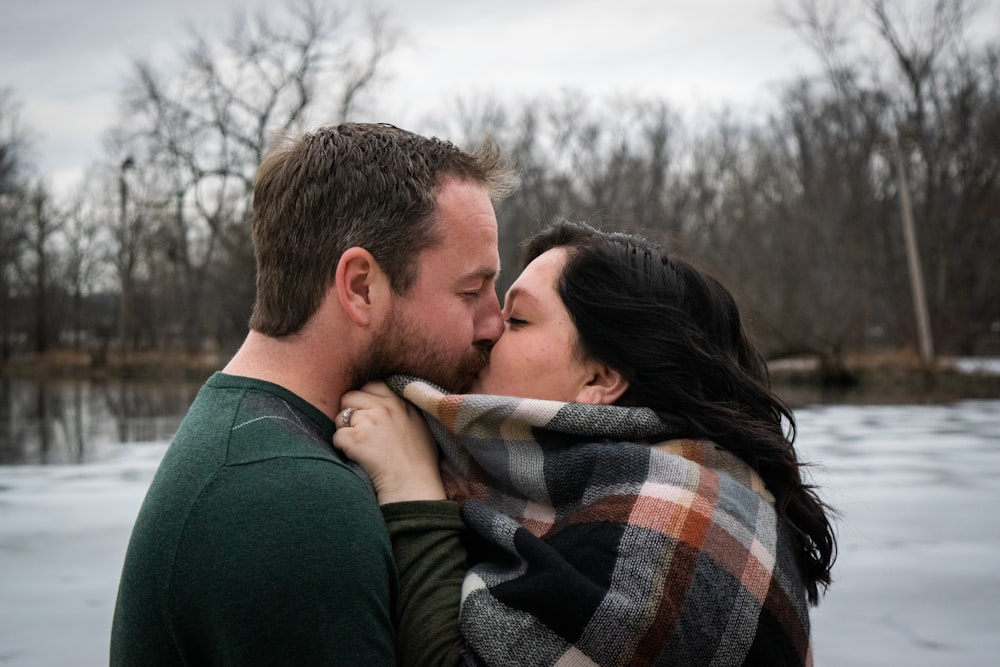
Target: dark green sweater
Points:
(256, 544)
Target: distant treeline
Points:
(798, 206)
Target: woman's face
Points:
(536, 357)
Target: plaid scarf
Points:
(603, 550)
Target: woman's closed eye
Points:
(515, 322)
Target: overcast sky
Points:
(67, 60)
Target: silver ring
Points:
(345, 416)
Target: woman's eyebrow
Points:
(519, 293)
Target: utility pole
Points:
(913, 261)
(41, 273)
(124, 261)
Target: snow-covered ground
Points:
(917, 580)
(987, 365)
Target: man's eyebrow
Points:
(485, 273)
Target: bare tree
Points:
(939, 105)
(196, 136)
(800, 229)
(14, 209)
(607, 162)
(44, 224)
(83, 264)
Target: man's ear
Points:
(605, 387)
(361, 286)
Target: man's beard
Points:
(398, 349)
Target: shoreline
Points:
(876, 380)
(800, 381)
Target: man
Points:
(256, 544)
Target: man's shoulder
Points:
(255, 420)
(242, 444)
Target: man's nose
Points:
(490, 323)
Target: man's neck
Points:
(294, 364)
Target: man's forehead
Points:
(457, 264)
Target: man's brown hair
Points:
(368, 185)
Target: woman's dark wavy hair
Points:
(675, 334)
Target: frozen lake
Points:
(917, 579)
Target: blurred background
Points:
(836, 163)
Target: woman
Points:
(643, 504)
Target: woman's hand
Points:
(388, 438)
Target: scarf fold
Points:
(603, 549)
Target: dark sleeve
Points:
(431, 562)
(286, 561)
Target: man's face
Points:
(443, 328)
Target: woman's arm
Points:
(431, 562)
(389, 439)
